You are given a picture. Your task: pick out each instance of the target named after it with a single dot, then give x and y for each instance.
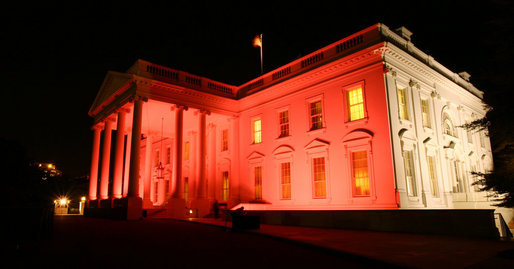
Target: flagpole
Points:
(261, 55)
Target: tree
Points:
(496, 77)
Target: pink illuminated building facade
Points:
(369, 122)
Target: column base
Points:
(134, 209)
(177, 208)
(203, 206)
(147, 204)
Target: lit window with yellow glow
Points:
(402, 104)
(225, 186)
(409, 173)
(425, 113)
(186, 189)
(285, 180)
(355, 104)
(318, 168)
(258, 182)
(432, 176)
(257, 131)
(186, 151)
(360, 173)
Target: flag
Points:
(257, 41)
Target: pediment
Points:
(113, 81)
(407, 134)
(357, 135)
(317, 143)
(255, 156)
(283, 149)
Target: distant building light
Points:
(83, 198)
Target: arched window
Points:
(448, 127)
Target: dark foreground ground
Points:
(80, 242)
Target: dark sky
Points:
(55, 55)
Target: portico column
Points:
(148, 172)
(126, 173)
(106, 158)
(179, 118)
(202, 193)
(134, 203)
(135, 148)
(118, 162)
(93, 178)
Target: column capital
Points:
(123, 110)
(138, 98)
(110, 118)
(202, 111)
(179, 106)
(99, 126)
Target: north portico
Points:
(171, 164)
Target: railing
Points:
(177, 77)
(333, 51)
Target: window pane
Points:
(425, 113)
(409, 173)
(285, 172)
(225, 187)
(224, 142)
(257, 137)
(284, 123)
(356, 104)
(319, 177)
(360, 173)
(316, 116)
(258, 182)
(402, 104)
(433, 179)
(186, 151)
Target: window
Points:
(482, 139)
(432, 175)
(224, 140)
(258, 182)
(225, 186)
(155, 191)
(316, 115)
(257, 131)
(186, 151)
(459, 182)
(425, 113)
(156, 158)
(186, 189)
(360, 174)
(402, 104)
(448, 128)
(409, 173)
(318, 168)
(168, 155)
(355, 104)
(285, 180)
(284, 123)
(469, 135)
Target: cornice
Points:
(429, 74)
(359, 61)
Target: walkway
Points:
(409, 250)
(80, 242)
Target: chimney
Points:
(465, 75)
(404, 32)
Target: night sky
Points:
(56, 55)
